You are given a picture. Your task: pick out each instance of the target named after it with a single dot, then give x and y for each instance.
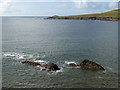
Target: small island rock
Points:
(48, 67)
(88, 65)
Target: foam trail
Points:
(9, 55)
(61, 70)
(105, 71)
(15, 55)
(66, 62)
(20, 57)
(55, 72)
(41, 61)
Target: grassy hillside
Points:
(115, 14)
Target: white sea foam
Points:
(20, 57)
(41, 61)
(109, 68)
(55, 72)
(15, 55)
(66, 62)
(61, 70)
(38, 65)
(105, 71)
(9, 55)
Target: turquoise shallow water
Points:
(60, 42)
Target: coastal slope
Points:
(113, 15)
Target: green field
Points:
(115, 14)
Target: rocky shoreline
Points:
(86, 18)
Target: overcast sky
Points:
(55, 7)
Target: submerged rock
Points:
(88, 65)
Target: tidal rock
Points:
(30, 63)
(43, 69)
(90, 65)
(73, 64)
(50, 67)
(44, 65)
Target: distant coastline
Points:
(87, 18)
(107, 16)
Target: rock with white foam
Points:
(51, 67)
(88, 65)
(9, 55)
(47, 67)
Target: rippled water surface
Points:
(60, 42)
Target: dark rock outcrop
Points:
(88, 65)
(48, 67)
(30, 63)
(51, 66)
(73, 64)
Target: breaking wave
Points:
(66, 62)
(41, 61)
(56, 72)
(18, 56)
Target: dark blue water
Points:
(60, 42)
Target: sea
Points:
(61, 42)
